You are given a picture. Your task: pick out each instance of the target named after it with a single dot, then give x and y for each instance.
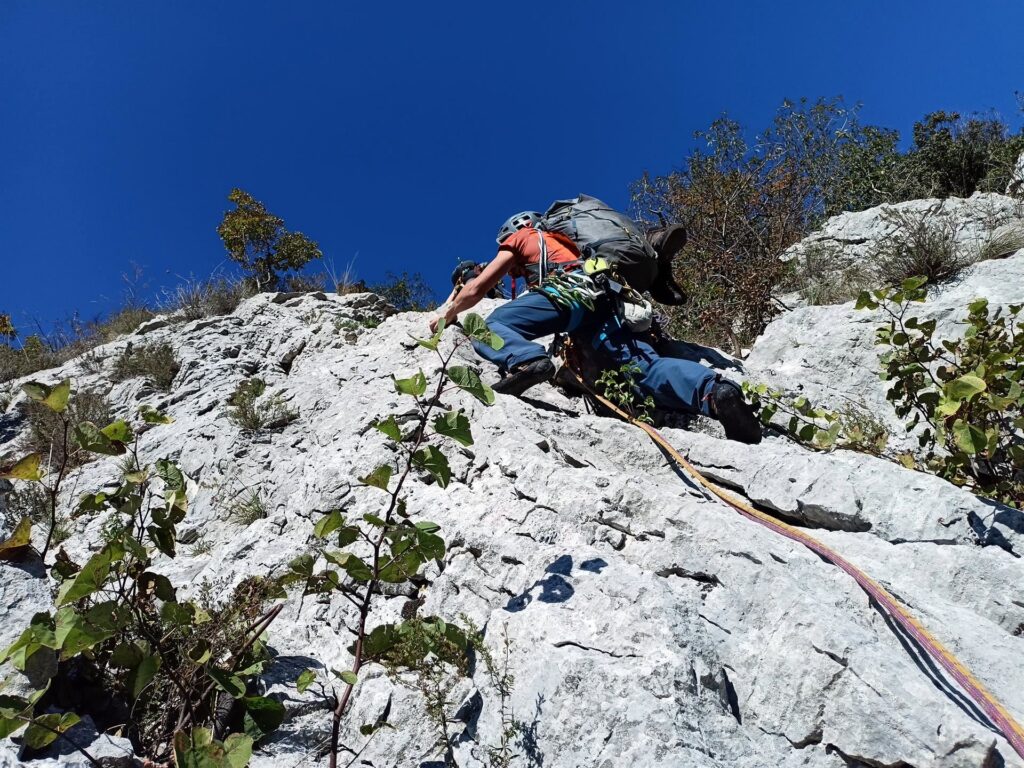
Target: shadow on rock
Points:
(553, 588)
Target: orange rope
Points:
(999, 715)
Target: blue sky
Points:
(400, 135)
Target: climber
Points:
(566, 299)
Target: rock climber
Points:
(565, 299)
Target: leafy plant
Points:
(156, 362)
(129, 652)
(964, 394)
(257, 240)
(619, 386)
(852, 428)
(360, 555)
(250, 410)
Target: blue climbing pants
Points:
(520, 321)
(673, 383)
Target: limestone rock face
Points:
(828, 353)
(849, 238)
(647, 625)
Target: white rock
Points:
(649, 626)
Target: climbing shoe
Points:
(526, 375)
(735, 414)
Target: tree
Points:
(258, 241)
(406, 292)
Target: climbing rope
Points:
(996, 712)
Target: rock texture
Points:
(649, 625)
(829, 354)
(849, 239)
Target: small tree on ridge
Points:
(257, 240)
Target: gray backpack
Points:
(602, 232)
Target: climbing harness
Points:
(996, 712)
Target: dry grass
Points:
(156, 362)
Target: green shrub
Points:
(155, 361)
(250, 410)
(257, 240)
(853, 427)
(124, 648)
(619, 386)
(964, 395)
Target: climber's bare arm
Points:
(477, 288)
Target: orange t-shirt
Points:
(525, 244)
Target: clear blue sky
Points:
(401, 134)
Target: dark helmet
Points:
(463, 272)
(517, 222)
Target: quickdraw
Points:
(997, 713)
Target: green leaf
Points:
(864, 301)
(415, 385)
(350, 677)
(434, 340)
(948, 407)
(151, 415)
(143, 674)
(19, 543)
(174, 478)
(91, 578)
(913, 283)
(45, 729)
(38, 635)
(469, 380)
(436, 463)
(200, 652)
(57, 399)
(238, 750)
(126, 656)
(91, 439)
(263, 715)
(965, 387)
(455, 425)
(428, 527)
(353, 566)
(305, 679)
(26, 468)
(119, 432)
(35, 390)
(379, 478)
(227, 682)
(76, 632)
(390, 428)
(326, 525)
(177, 614)
(476, 328)
(969, 438)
